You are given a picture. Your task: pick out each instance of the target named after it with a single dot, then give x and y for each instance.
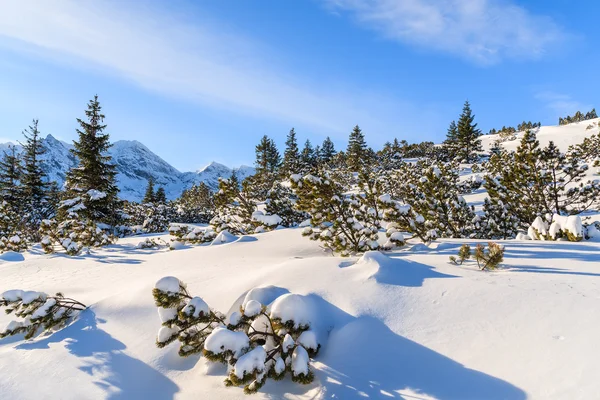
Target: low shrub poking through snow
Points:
(464, 253)
(37, 311)
(257, 344)
(487, 259)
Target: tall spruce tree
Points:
(291, 156)
(468, 141)
(93, 180)
(161, 196)
(11, 173)
(267, 156)
(149, 196)
(35, 204)
(308, 158)
(357, 150)
(327, 151)
(34, 186)
(451, 143)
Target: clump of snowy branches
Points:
(568, 228)
(192, 235)
(344, 223)
(259, 342)
(183, 317)
(37, 311)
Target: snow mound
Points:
(12, 256)
(224, 237)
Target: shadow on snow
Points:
(122, 376)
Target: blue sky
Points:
(202, 81)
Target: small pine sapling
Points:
(490, 259)
(38, 311)
(464, 253)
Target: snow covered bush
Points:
(259, 342)
(497, 222)
(280, 202)
(534, 181)
(37, 311)
(11, 236)
(560, 228)
(183, 317)
(149, 243)
(235, 207)
(12, 243)
(73, 235)
(343, 223)
(192, 235)
(263, 342)
(427, 203)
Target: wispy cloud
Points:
(561, 104)
(484, 31)
(173, 55)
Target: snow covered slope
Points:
(563, 136)
(405, 324)
(135, 165)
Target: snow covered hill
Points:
(135, 165)
(563, 135)
(405, 324)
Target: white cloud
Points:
(560, 104)
(195, 60)
(485, 31)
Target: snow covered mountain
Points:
(135, 165)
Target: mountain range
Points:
(136, 164)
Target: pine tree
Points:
(267, 156)
(451, 143)
(11, 173)
(149, 196)
(196, 205)
(357, 150)
(308, 158)
(468, 141)
(93, 180)
(161, 196)
(345, 224)
(35, 190)
(327, 151)
(291, 156)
